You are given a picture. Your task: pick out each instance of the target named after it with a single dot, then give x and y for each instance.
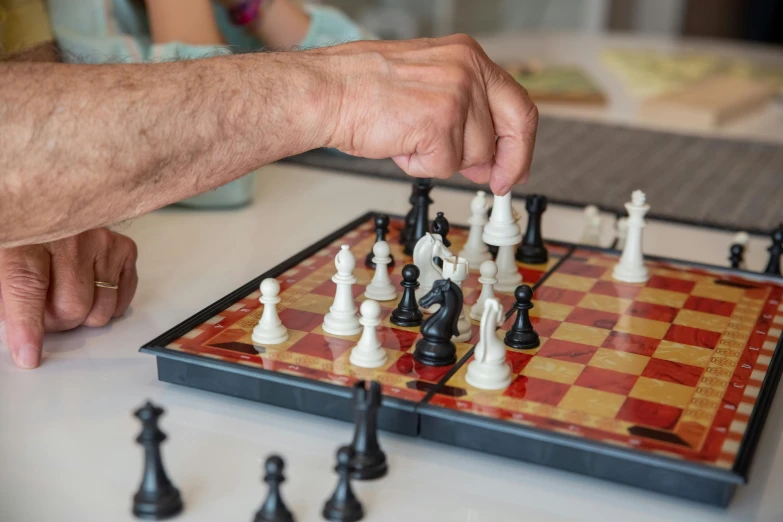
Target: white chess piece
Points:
(456, 269)
(592, 231)
(740, 238)
(631, 267)
(502, 229)
(341, 319)
(503, 232)
(476, 251)
(424, 253)
(369, 353)
(622, 232)
(489, 369)
(488, 271)
(270, 329)
(381, 287)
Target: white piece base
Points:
(488, 376)
(342, 326)
(508, 282)
(475, 312)
(388, 293)
(624, 275)
(264, 337)
(363, 359)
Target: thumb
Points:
(24, 283)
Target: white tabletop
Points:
(67, 448)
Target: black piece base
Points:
(158, 508)
(287, 391)
(532, 255)
(522, 341)
(350, 513)
(369, 467)
(285, 516)
(405, 318)
(435, 354)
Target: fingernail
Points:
(27, 356)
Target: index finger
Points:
(515, 118)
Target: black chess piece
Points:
(440, 225)
(736, 255)
(532, 250)
(407, 312)
(493, 249)
(775, 250)
(274, 509)
(343, 506)
(369, 460)
(522, 336)
(157, 498)
(410, 217)
(381, 229)
(435, 348)
(421, 219)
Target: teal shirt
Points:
(98, 31)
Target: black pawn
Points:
(273, 508)
(369, 460)
(343, 506)
(157, 498)
(775, 250)
(421, 218)
(440, 225)
(381, 229)
(493, 249)
(410, 217)
(407, 312)
(736, 255)
(532, 250)
(522, 336)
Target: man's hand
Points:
(51, 287)
(436, 107)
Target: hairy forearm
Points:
(84, 146)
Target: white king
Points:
(631, 267)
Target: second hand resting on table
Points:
(159, 133)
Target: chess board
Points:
(663, 385)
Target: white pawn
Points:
(489, 369)
(622, 232)
(369, 353)
(631, 267)
(381, 287)
(456, 269)
(341, 319)
(476, 250)
(270, 329)
(592, 231)
(488, 271)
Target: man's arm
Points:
(85, 146)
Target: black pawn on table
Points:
(157, 498)
(410, 217)
(381, 229)
(532, 250)
(273, 509)
(521, 335)
(407, 312)
(435, 348)
(440, 225)
(775, 250)
(369, 460)
(421, 218)
(736, 255)
(343, 506)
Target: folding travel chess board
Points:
(663, 385)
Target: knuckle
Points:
(97, 319)
(24, 282)
(72, 312)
